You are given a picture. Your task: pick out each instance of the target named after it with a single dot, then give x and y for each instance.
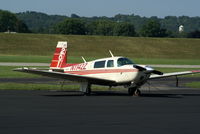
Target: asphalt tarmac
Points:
(104, 112)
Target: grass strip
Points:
(193, 84)
(7, 72)
(20, 86)
(98, 46)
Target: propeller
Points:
(147, 69)
(140, 68)
(157, 72)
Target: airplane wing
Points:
(66, 76)
(154, 76)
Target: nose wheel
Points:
(134, 91)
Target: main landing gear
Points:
(86, 88)
(134, 91)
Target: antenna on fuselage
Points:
(111, 53)
(83, 59)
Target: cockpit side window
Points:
(110, 63)
(99, 64)
(124, 61)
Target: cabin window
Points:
(123, 61)
(99, 64)
(110, 63)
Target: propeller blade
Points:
(157, 72)
(139, 68)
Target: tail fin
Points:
(60, 56)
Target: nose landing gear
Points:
(134, 91)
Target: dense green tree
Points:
(136, 20)
(71, 26)
(171, 23)
(9, 22)
(153, 29)
(39, 22)
(42, 23)
(74, 16)
(194, 34)
(124, 29)
(102, 27)
(22, 27)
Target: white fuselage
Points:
(109, 69)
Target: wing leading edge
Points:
(154, 76)
(66, 76)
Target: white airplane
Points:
(112, 71)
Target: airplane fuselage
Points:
(118, 69)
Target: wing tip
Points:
(196, 71)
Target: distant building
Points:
(181, 29)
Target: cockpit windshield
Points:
(124, 61)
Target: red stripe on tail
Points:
(60, 56)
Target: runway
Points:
(107, 112)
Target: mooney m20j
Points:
(112, 71)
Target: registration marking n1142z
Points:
(78, 67)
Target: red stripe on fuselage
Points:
(103, 71)
(69, 64)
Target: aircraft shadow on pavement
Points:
(94, 93)
(114, 93)
(162, 95)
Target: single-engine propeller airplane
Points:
(112, 71)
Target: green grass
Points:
(37, 59)
(7, 72)
(22, 58)
(18, 86)
(98, 46)
(193, 84)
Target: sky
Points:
(109, 8)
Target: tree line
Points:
(98, 27)
(10, 23)
(119, 25)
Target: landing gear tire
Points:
(131, 91)
(137, 92)
(134, 91)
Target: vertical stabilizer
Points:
(60, 56)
